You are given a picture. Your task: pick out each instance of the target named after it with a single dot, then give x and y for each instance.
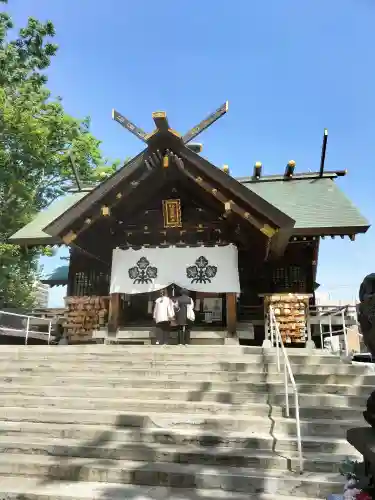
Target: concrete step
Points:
(137, 349)
(10, 383)
(92, 378)
(229, 396)
(134, 405)
(16, 488)
(234, 479)
(171, 453)
(150, 367)
(219, 423)
(174, 406)
(249, 439)
(164, 356)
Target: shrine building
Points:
(169, 219)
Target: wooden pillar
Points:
(114, 313)
(231, 303)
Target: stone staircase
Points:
(148, 422)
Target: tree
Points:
(36, 137)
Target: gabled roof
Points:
(81, 206)
(58, 277)
(316, 204)
(33, 233)
(252, 201)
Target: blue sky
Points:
(289, 68)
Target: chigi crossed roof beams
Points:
(165, 146)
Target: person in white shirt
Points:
(163, 314)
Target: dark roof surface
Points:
(312, 202)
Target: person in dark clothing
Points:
(182, 305)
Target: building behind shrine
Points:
(170, 218)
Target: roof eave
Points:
(34, 241)
(64, 221)
(331, 231)
(53, 283)
(280, 218)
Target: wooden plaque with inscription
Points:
(172, 213)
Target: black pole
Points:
(323, 157)
(75, 172)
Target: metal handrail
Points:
(27, 329)
(287, 371)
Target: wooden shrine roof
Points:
(317, 205)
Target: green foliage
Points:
(35, 137)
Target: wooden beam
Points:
(231, 309)
(69, 237)
(106, 209)
(75, 171)
(161, 120)
(278, 244)
(228, 205)
(114, 313)
(289, 169)
(204, 124)
(196, 147)
(137, 131)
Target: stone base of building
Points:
(149, 336)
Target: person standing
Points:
(184, 310)
(163, 314)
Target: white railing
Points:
(346, 315)
(288, 374)
(26, 329)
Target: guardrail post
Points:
(345, 332)
(49, 331)
(310, 344)
(27, 329)
(330, 331)
(321, 334)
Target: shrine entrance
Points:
(137, 310)
(209, 273)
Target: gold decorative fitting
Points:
(105, 210)
(246, 215)
(268, 230)
(159, 114)
(172, 213)
(151, 134)
(291, 163)
(214, 192)
(166, 161)
(200, 226)
(87, 221)
(146, 228)
(118, 195)
(198, 179)
(228, 205)
(226, 169)
(68, 238)
(258, 164)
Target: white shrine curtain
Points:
(201, 269)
